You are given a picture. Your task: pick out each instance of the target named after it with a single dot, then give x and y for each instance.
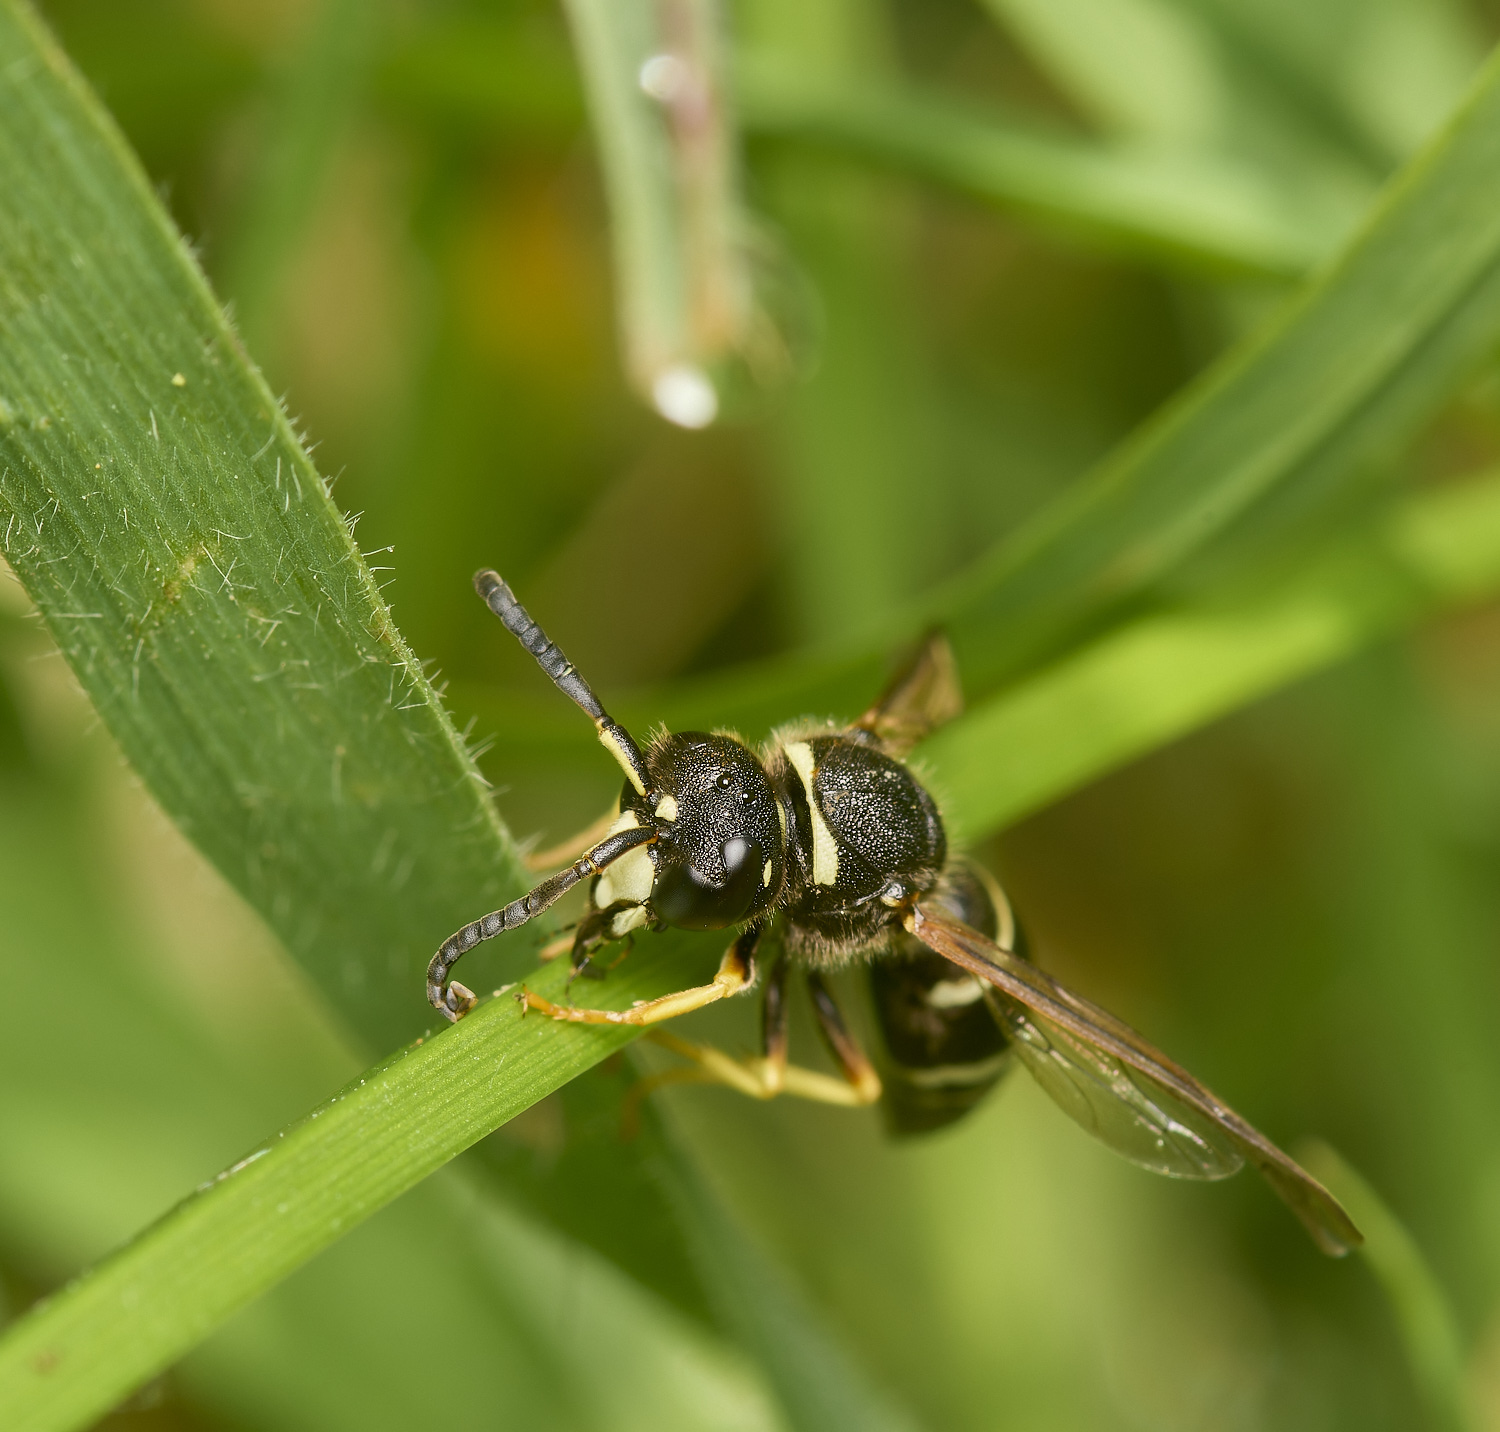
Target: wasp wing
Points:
(1136, 1118)
(1091, 1061)
(923, 695)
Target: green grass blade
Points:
(431, 1101)
(1201, 211)
(77, 1355)
(1297, 91)
(1165, 675)
(176, 537)
(821, 1388)
(670, 171)
(1424, 1315)
(1348, 372)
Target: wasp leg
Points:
(773, 1032)
(770, 1075)
(567, 851)
(599, 928)
(759, 1078)
(736, 974)
(858, 1070)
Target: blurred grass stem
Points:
(1424, 1315)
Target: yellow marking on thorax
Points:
(666, 808)
(825, 847)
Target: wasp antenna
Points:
(450, 1000)
(612, 736)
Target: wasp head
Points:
(720, 851)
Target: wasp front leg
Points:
(736, 975)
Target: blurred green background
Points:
(402, 203)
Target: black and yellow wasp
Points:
(824, 847)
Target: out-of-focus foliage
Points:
(996, 240)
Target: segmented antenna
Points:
(612, 736)
(452, 1001)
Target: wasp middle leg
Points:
(771, 1074)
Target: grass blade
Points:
(1195, 210)
(1423, 1312)
(133, 1315)
(653, 76)
(1165, 675)
(1132, 691)
(175, 535)
(1348, 371)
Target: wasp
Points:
(822, 849)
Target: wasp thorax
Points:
(719, 850)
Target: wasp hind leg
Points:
(771, 1074)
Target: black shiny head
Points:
(720, 852)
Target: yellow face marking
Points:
(610, 742)
(765, 874)
(666, 808)
(623, 879)
(825, 848)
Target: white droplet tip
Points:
(683, 395)
(665, 78)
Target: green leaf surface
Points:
(186, 555)
(671, 173)
(287, 1199)
(1344, 86)
(174, 533)
(107, 1116)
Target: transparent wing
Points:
(923, 695)
(1119, 1087)
(1134, 1115)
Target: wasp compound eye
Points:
(693, 899)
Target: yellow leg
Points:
(565, 853)
(736, 974)
(763, 1078)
